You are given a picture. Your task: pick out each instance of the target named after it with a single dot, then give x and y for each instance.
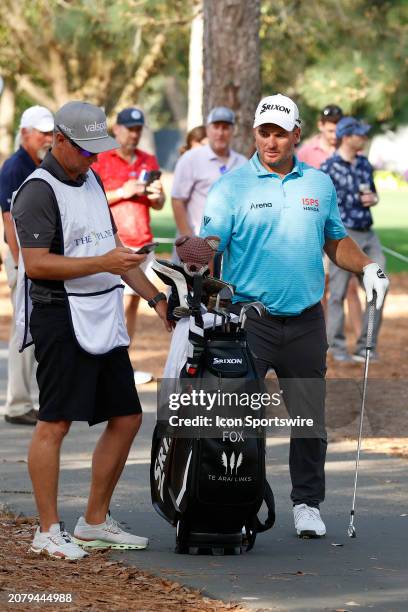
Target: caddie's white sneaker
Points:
(106, 535)
(308, 522)
(56, 543)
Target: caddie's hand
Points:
(161, 309)
(155, 190)
(121, 260)
(132, 187)
(369, 199)
(374, 279)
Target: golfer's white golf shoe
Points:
(106, 535)
(56, 543)
(308, 522)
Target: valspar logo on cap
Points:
(279, 110)
(96, 127)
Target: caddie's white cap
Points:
(279, 110)
(37, 117)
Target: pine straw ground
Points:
(96, 583)
(99, 584)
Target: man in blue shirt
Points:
(274, 216)
(352, 175)
(36, 127)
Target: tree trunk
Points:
(7, 110)
(232, 62)
(195, 69)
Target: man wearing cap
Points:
(314, 152)
(274, 216)
(123, 172)
(321, 146)
(70, 274)
(199, 168)
(352, 175)
(36, 126)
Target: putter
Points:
(371, 314)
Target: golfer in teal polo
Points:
(275, 216)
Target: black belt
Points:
(268, 315)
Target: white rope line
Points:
(395, 254)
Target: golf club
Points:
(371, 314)
(226, 293)
(258, 306)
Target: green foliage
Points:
(349, 52)
(99, 44)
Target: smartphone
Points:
(151, 176)
(147, 248)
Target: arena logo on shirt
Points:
(261, 205)
(310, 204)
(93, 237)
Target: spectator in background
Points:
(317, 149)
(200, 167)
(123, 173)
(352, 175)
(36, 128)
(195, 138)
(314, 152)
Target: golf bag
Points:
(211, 489)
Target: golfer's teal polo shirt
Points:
(272, 233)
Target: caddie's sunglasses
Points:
(80, 150)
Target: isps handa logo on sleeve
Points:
(310, 204)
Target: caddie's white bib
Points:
(95, 301)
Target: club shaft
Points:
(360, 431)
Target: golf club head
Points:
(258, 306)
(172, 275)
(181, 312)
(351, 531)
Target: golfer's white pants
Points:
(20, 365)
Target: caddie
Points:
(70, 304)
(275, 215)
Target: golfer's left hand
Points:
(161, 309)
(374, 279)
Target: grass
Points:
(390, 223)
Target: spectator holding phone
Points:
(131, 179)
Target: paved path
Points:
(282, 572)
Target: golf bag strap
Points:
(270, 504)
(255, 526)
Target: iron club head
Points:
(351, 531)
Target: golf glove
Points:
(374, 279)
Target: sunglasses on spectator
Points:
(332, 111)
(80, 150)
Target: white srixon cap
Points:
(37, 117)
(279, 110)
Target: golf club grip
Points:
(370, 325)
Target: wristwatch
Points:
(157, 298)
